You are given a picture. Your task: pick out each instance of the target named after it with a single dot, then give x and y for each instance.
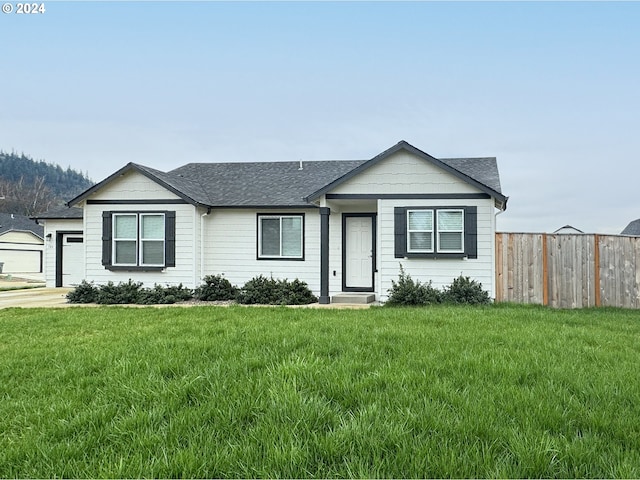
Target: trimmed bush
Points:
(268, 291)
(216, 288)
(159, 295)
(259, 290)
(464, 291)
(296, 292)
(409, 292)
(84, 293)
(123, 293)
(128, 293)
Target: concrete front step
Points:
(354, 298)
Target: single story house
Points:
(21, 244)
(340, 226)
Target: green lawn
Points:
(501, 391)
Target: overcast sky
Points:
(550, 89)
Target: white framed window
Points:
(450, 229)
(125, 239)
(152, 239)
(280, 236)
(420, 231)
(138, 239)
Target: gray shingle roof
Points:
(60, 213)
(259, 184)
(633, 229)
(284, 184)
(20, 223)
(484, 170)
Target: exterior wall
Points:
(403, 172)
(440, 271)
(231, 237)
(134, 186)
(50, 228)
(21, 252)
(335, 239)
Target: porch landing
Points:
(354, 298)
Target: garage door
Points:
(21, 261)
(72, 259)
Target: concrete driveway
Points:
(34, 297)
(29, 296)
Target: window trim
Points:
(469, 237)
(139, 240)
(279, 216)
(115, 239)
(143, 240)
(108, 241)
(461, 231)
(432, 231)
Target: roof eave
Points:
(403, 145)
(19, 230)
(138, 168)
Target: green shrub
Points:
(259, 290)
(464, 291)
(409, 292)
(295, 292)
(159, 295)
(215, 288)
(122, 293)
(83, 293)
(128, 293)
(268, 291)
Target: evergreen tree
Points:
(30, 187)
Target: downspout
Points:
(202, 242)
(494, 253)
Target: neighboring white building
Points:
(340, 226)
(21, 244)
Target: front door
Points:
(358, 260)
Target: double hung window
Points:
(435, 230)
(138, 239)
(280, 237)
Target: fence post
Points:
(596, 268)
(545, 271)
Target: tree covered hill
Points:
(30, 187)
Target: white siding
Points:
(231, 248)
(440, 271)
(135, 186)
(186, 247)
(50, 228)
(403, 172)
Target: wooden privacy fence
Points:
(568, 270)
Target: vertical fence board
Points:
(568, 270)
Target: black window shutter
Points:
(170, 239)
(106, 238)
(400, 231)
(471, 232)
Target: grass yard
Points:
(500, 391)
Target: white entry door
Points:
(358, 252)
(72, 259)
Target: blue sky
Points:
(551, 89)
